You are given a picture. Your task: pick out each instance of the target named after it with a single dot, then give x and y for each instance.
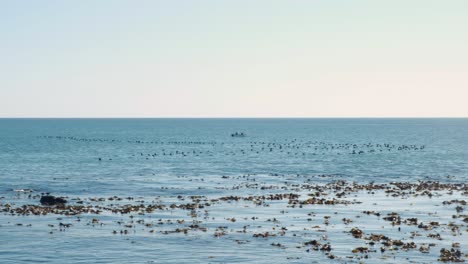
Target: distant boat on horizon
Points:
(238, 134)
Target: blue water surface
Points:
(170, 157)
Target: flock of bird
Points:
(241, 147)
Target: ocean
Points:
(114, 163)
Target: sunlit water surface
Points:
(157, 160)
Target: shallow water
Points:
(157, 160)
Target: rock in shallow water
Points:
(52, 200)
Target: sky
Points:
(234, 58)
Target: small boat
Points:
(238, 134)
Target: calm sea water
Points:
(164, 158)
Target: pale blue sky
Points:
(238, 58)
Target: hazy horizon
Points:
(234, 59)
(233, 117)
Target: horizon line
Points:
(251, 117)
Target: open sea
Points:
(113, 163)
